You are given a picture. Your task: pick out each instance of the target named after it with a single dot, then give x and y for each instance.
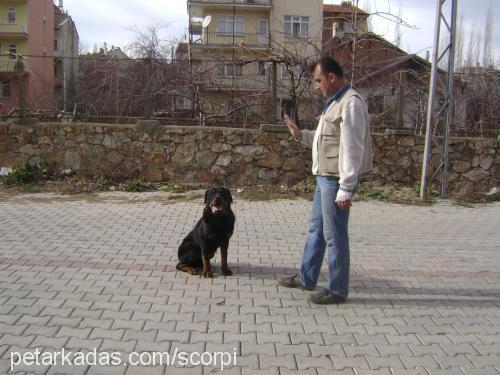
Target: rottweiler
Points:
(212, 231)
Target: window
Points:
(226, 24)
(5, 89)
(13, 51)
(232, 70)
(261, 68)
(297, 25)
(183, 103)
(11, 15)
(263, 36)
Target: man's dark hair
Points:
(328, 65)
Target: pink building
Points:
(28, 32)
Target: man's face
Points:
(325, 84)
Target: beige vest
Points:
(327, 149)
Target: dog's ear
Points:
(208, 193)
(227, 194)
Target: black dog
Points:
(212, 231)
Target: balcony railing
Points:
(9, 65)
(230, 39)
(254, 83)
(232, 2)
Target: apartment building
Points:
(250, 55)
(26, 29)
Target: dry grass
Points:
(79, 184)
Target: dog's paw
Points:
(227, 272)
(208, 274)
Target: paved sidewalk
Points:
(100, 274)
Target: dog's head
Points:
(218, 200)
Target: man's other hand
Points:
(294, 129)
(344, 205)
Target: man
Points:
(341, 151)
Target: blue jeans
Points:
(327, 230)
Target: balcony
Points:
(14, 30)
(196, 7)
(229, 40)
(8, 65)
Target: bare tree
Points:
(239, 86)
(459, 43)
(473, 48)
(488, 31)
(153, 53)
(147, 42)
(112, 84)
(83, 47)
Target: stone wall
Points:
(474, 163)
(235, 157)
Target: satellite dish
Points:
(206, 21)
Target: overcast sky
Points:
(109, 21)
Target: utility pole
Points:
(447, 108)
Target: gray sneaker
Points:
(292, 282)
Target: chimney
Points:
(61, 4)
(346, 4)
(427, 55)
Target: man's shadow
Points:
(376, 290)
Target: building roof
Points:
(113, 53)
(343, 9)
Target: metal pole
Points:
(432, 89)
(449, 113)
(19, 68)
(447, 107)
(21, 95)
(276, 116)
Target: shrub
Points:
(29, 172)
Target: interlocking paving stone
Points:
(95, 274)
